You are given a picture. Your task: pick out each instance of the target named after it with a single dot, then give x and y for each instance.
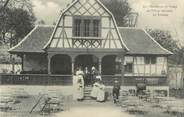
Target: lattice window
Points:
(77, 27)
(96, 26)
(87, 28)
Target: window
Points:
(147, 60)
(150, 60)
(129, 68)
(86, 27)
(153, 60)
(96, 28)
(77, 27)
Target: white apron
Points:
(101, 93)
(78, 87)
(95, 90)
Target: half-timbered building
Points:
(87, 34)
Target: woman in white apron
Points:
(79, 85)
(95, 90)
(101, 93)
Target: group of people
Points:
(86, 78)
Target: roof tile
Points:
(139, 42)
(35, 40)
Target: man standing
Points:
(86, 77)
(94, 73)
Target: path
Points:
(93, 109)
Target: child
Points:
(115, 92)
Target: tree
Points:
(119, 8)
(15, 22)
(21, 24)
(165, 39)
(5, 16)
(4, 3)
(22, 4)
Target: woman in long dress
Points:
(79, 85)
(80, 89)
(95, 90)
(101, 93)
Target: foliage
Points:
(41, 22)
(165, 39)
(119, 8)
(4, 3)
(15, 23)
(22, 4)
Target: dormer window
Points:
(86, 27)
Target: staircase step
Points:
(87, 97)
(87, 93)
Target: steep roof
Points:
(34, 41)
(137, 40)
(103, 5)
(140, 42)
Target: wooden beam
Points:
(122, 68)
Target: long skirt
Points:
(101, 95)
(80, 93)
(78, 88)
(94, 92)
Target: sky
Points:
(171, 15)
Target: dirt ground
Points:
(89, 108)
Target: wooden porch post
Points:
(122, 69)
(100, 65)
(22, 61)
(73, 63)
(49, 64)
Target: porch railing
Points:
(133, 81)
(66, 80)
(36, 79)
(86, 42)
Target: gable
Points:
(63, 35)
(87, 8)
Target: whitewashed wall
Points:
(91, 9)
(140, 68)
